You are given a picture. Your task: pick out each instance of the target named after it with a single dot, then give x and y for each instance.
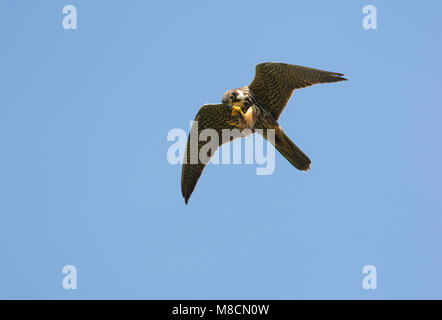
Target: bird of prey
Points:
(257, 106)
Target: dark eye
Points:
(234, 94)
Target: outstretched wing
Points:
(210, 116)
(274, 83)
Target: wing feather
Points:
(210, 116)
(274, 83)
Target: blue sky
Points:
(85, 181)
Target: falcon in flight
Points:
(257, 106)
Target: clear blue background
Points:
(84, 178)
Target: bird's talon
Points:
(236, 110)
(234, 124)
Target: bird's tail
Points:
(289, 150)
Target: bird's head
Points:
(232, 97)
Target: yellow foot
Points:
(236, 110)
(234, 124)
